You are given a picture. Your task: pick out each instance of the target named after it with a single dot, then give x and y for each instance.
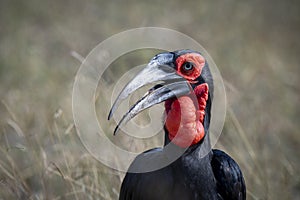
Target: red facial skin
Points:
(185, 115)
(195, 58)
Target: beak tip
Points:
(109, 116)
(116, 130)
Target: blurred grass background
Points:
(255, 44)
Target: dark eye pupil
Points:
(188, 66)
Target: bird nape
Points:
(185, 85)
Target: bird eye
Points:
(187, 66)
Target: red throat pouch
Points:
(184, 118)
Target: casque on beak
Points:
(160, 69)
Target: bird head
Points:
(184, 83)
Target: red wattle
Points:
(184, 118)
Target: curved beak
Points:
(160, 69)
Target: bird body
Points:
(213, 177)
(199, 172)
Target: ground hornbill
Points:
(185, 85)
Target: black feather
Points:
(230, 181)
